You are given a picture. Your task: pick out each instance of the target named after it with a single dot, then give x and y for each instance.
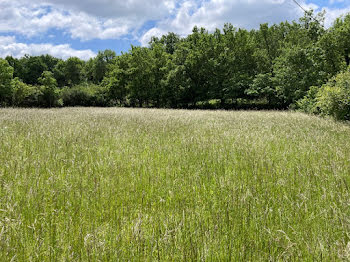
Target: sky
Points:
(66, 28)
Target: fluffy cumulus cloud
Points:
(138, 20)
(34, 18)
(9, 46)
(215, 13)
(334, 13)
(84, 20)
(136, 9)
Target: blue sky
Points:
(65, 28)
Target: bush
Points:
(101, 96)
(332, 99)
(50, 94)
(85, 95)
(308, 104)
(6, 74)
(23, 94)
(34, 98)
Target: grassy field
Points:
(81, 184)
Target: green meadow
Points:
(115, 184)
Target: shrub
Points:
(85, 95)
(308, 104)
(50, 94)
(6, 74)
(332, 99)
(23, 94)
(76, 96)
(34, 98)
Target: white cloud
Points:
(9, 46)
(215, 13)
(333, 13)
(6, 40)
(152, 32)
(140, 9)
(248, 14)
(85, 20)
(115, 19)
(336, 1)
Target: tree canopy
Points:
(273, 66)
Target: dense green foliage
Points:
(271, 67)
(6, 74)
(331, 99)
(116, 184)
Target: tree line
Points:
(295, 64)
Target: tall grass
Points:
(141, 185)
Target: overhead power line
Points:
(295, 1)
(305, 11)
